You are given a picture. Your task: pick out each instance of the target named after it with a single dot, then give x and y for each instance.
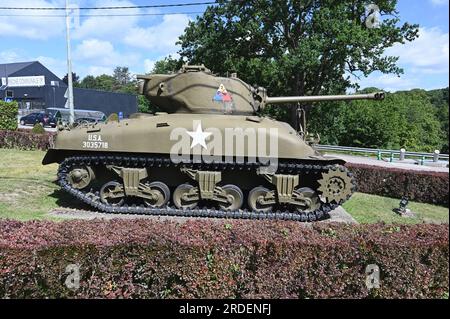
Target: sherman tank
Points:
(209, 153)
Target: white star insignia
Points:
(199, 137)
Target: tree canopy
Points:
(75, 79)
(406, 119)
(296, 47)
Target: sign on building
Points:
(18, 81)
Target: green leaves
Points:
(8, 115)
(309, 46)
(403, 119)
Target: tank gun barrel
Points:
(292, 99)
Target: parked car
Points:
(82, 120)
(82, 115)
(43, 118)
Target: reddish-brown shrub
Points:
(420, 186)
(144, 258)
(25, 140)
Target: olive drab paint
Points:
(205, 119)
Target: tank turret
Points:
(194, 89)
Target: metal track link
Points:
(151, 161)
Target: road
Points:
(398, 164)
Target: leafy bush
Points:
(145, 258)
(420, 186)
(8, 115)
(25, 140)
(113, 117)
(38, 129)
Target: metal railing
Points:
(421, 157)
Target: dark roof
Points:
(11, 68)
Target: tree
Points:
(88, 82)
(403, 119)
(75, 79)
(104, 82)
(296, 47)
(167, 65)
(122, 75)
(439, 98)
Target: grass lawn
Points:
(367, 208)
(27, 188)
(28, 191)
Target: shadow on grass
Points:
(66, 201)
(27, 179)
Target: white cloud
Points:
(159, 38)
(9, 56)
(439, 2)
(429, 53)
(389, 82)
(16, 25)
(149, 65)
(425, 62)
(107, 27)
(57, 66)
(103, 54)
(98, 70)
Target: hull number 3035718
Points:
(95, 141)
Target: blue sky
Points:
(99, 44)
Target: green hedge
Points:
(8, 115)
(145, 258)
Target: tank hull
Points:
(169, 134)
(173, 163)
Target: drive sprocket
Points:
(336, 185)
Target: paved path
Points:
(338, 215)
(375, 162)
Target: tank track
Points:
(93, 199)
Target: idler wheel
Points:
(234, 196)
(112, 193)
(162, 195)
(185, 196)
(256, 200)
(80, 177)
(309, 197)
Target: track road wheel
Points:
(162, 192)
(310, 197)
(80, 177)
(256, 200)
(183, 197)
(112, 193)
(235, 198)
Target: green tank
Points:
(209, 153)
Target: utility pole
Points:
(69, 67)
